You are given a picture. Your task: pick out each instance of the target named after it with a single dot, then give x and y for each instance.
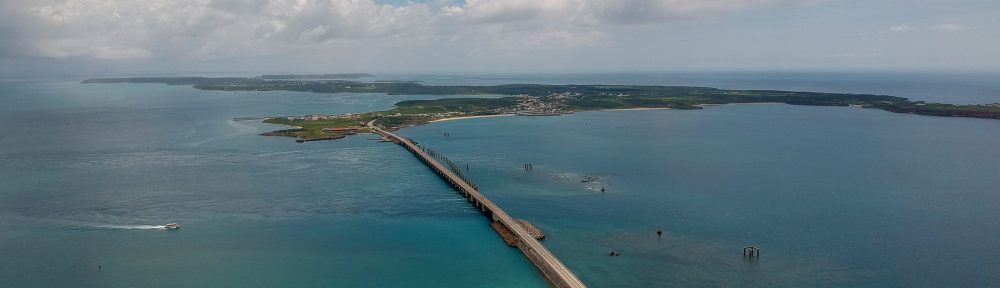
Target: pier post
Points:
(751, 251)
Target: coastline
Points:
(636, 109)
(752, 103)
(507, 115)
(301, 140)
(470, 117)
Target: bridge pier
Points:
(751, 251)
(557, 274)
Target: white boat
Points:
(172, 226)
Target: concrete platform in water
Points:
(511, 239)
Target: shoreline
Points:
(751, 103)
(300, 140)
(507, 115)
(470, 117)
(634, 109)
(591, 96)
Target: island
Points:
(315, 76)
(527, 100)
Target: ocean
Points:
(832, 196)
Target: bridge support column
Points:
(751, 251)
(550, 267)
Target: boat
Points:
(172, 226)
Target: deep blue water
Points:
(833, 196)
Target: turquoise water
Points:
(833, 196)
(87, 170)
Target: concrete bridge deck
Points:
(557, 274)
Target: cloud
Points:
(214, 29)
(118, 53)
(645, 12)
(900, 28)
(493, 11)
(194, 29)
(614, 12)
(949, 28)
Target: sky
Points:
(74, 37)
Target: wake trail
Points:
(130, 227)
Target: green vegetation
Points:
(316, 76)
(407, 113)
(533, 98)
(465, 105)
(312, 129)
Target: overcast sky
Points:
(255, 36)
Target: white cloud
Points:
(452, 10)
(616, 12)
(900, 28)
(949, 28)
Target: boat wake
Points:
(132, 227)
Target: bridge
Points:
(554, 271)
